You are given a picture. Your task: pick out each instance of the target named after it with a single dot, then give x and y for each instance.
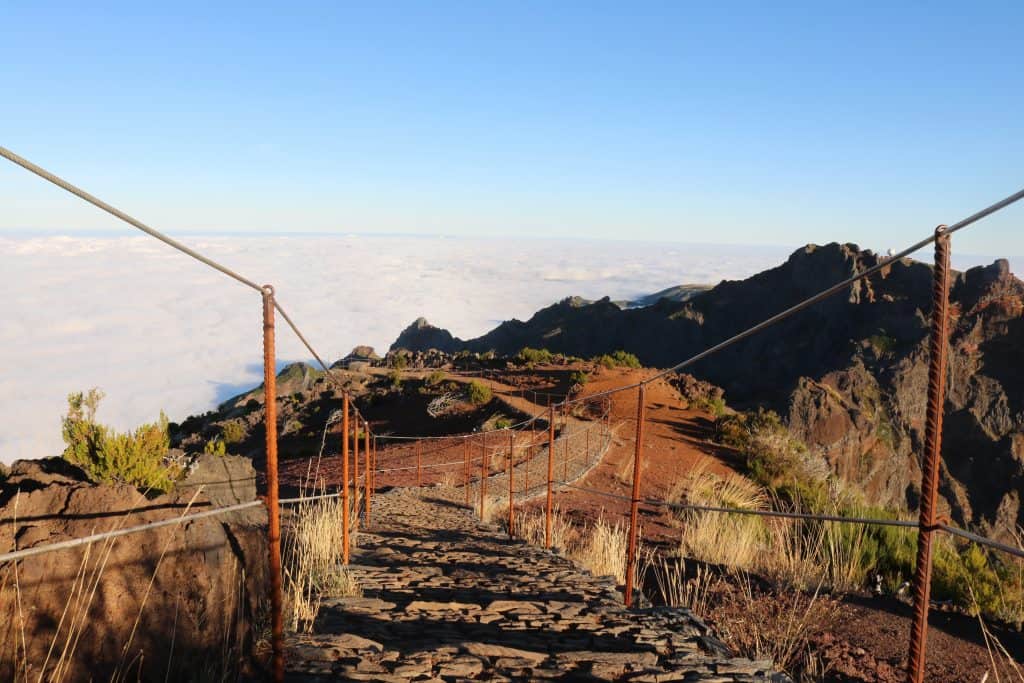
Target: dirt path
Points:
(448, 598)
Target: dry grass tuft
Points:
(530, 526)
(312, 551)
(602, 549)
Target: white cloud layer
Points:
(156, 330)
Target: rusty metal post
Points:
(465, 469)
(355, 468)
(344, 479)
(928, 521)
(634, 505)
(419, 463)
(483, 473)
(368, 475)
(511, 488)
(551, 474)
(273, 512)
(565, 438)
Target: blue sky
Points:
(750, 123)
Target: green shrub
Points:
(617, 359)
(395, 377)
(137, 458)
(625, 360)
(435, 378)
(399, 362)
(774, 458)
(502, 423)
(531, 356)
(882, 343)
(215, 446)
(579, 377)
(233, 432)
(479, 393)
(715, 406)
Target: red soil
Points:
(865, 641)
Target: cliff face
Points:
(850, 372)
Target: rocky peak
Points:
(421, 336)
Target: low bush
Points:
(714, 405)
(579, 377)
(233, 432)
(138, 458)
(532, 356)
(479, 393)
(618, 359)
(775, 459)
(435, 378)
(215, 446)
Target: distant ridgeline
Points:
(850, 373)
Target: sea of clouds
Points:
(156, 330)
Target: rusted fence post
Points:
(273, 513)
(483, 473)
(634, 505)
(928, 521)
(344, 479)
(465, 469)
(511, 488)
(368, 475)
(565, 438)
(355, 468)
(551, 474)
(419, 464)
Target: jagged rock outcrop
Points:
(849, 372)
(208, 576)
(422, 336)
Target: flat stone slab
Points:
(446, 598)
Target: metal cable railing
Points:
(926, 525)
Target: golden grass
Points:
(602, 549)
(803, 554)
(312, 553)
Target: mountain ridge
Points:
(849, 373)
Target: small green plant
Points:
(502, 423)
(617, 359)
(215, 446)
(532, 356)
(137, 458)
(479, 393)
(400, 362)
(626, 360)
(435, 378)
(775, 459)
(579, 377)
(395, 378)
(715, 406)
(233, 432)
(882, 343)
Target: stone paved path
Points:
(446, 598)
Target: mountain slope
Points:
(850, 373)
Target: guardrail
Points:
(928, 522)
